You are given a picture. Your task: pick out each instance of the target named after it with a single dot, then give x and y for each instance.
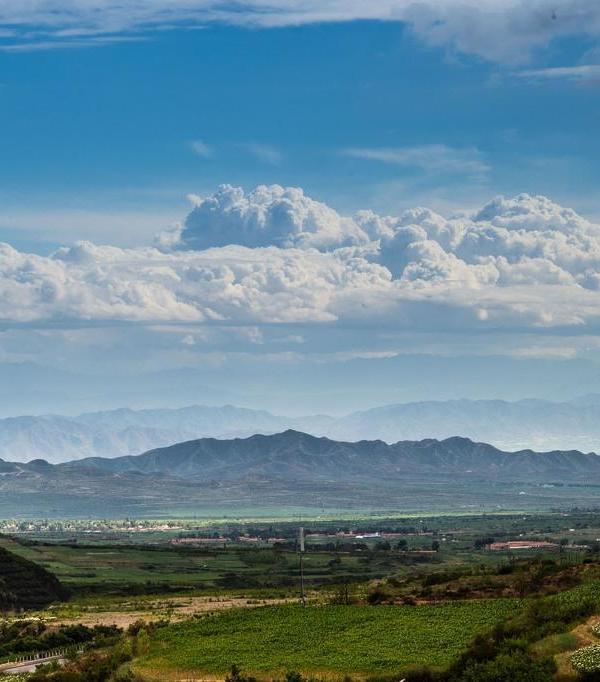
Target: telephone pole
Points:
(301, 546)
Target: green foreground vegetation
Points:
(324, 639)
(415, 598)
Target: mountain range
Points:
(537, 424)
(291, 472)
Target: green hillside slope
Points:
(25, 585)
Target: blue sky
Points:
(110, 129)
(119, 121)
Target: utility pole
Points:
(301, 546)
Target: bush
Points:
(236, 675)
(294, 676)
(510, 668)
(377, 596)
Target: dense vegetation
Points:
(26, 585)
(345, 639)
(468, 641)
(103, 659)
(513, 640)
(31, 636)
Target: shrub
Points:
(293, 676)
(510, 668)
(236, 675)
(377, 596)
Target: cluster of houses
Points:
(220, 541)
(511, 545)
(357, 535)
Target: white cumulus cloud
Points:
(267, 216)
(276, 256)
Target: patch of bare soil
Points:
(178, 608)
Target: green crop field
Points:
(108, 566)
(93, 565)
(334, 640)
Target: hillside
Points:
(293, 470)
(25, 585)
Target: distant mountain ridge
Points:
(294, 470)
(529, 423)
(292, 454)
(536, 424)
(125, 431)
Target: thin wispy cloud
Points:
(201, 149)
(91, 41)
(431, 158)
(581, 73)
(497, 30)
(263, 152)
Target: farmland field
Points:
(327, 639)
(111, 566)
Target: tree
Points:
(377, 596)
(344, 594)
(482, 543)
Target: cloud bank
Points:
(275, 256)
(497, 30)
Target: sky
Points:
(213, 201)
